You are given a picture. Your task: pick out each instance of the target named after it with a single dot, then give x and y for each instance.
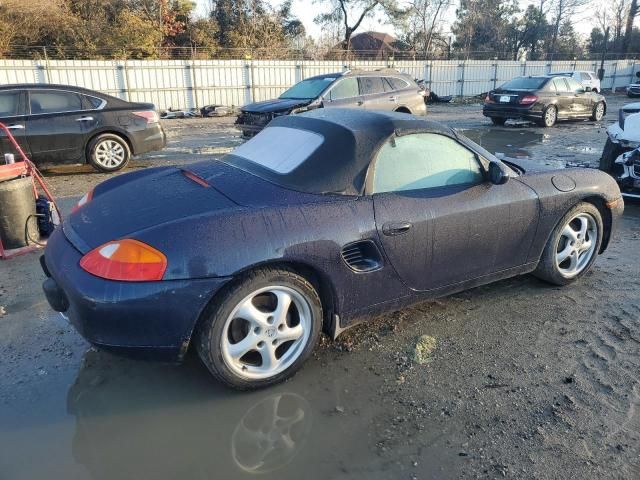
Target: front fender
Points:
(560, 190)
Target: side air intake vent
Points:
(362, 256)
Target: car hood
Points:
(129, 204)
(276, 105)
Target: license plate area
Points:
(505, 98)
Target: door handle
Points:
(84, 119)
(16, 127)
(359, 103)
(392, 229)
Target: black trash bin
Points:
(18, 223)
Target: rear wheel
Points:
(573, 246)
(261, 330)
(549, 116)
(109, 152)
(598, 112)
(498, 121)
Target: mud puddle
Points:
(88, 414)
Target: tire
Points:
(549, 116)
(610, 152)
(108, 153)
(498, 121)
(567, 257)
(599, 109)
(259, 294)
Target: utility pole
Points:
(604, 54)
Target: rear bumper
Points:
(512, 112)
(152, 318)
(151, 139)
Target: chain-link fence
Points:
(195, 83)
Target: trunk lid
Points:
(123, 206)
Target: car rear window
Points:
(524, 83)
(369, 85)
(308, 89)
(397, 83)
(95, 102)
(280, 149)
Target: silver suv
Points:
(384, 89)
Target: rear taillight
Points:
(151, 116)
(86, 198)
(488, 99)
(125, 260)
(528, 99)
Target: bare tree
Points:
(423, 18)
(351, 13)
(631, 15)
(561, 12)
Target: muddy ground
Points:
(525, 380)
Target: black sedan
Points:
(544, 100)
(319, 221)
(57, 124)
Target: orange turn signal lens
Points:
(126, 260)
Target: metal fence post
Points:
(613, 77)
(461, 66)
(495, 75)
(127, 81)
(298, 73)
(123, 80)
(549, 67)
(194, 88)
(524, 68)
(633, 71)
(47, 73)
(248, 82)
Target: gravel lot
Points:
(518, 379)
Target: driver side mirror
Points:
(498, 173)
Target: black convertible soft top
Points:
(339, 164)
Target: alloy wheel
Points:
(109, 154)
(550, 116)
(576, 245)
(266, 332)
(599, 112)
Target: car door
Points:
(374, 95)
(344, 93)
(57, 126)
(563, 96)
(440, 222)
(582, 101)
(12, 115)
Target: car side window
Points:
(424, 160)
(560, 85)
(585, 76)
(398, 83)
(94, 102)
(369, 85)
(54, 102)
(574, 86)
(10, 103)
(345, 88)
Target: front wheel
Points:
(549, 116)
(261, 330)
(598, 112)
(109, 152)
(573, 246)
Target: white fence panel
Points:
(195, 83)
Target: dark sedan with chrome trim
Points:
(543, 99)
(56, 124)
(319, 221)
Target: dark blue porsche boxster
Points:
(320, 220)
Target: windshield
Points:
(308, 89)
(524, 83)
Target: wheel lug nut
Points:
(256, 330)
(269, 320)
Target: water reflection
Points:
(511, 142)
(138, 420)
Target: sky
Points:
(306, 11)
